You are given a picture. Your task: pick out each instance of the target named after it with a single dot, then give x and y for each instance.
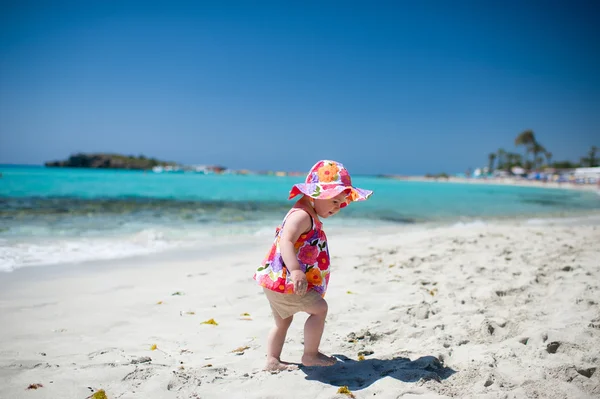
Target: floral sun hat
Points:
(328, 179)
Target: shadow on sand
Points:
(357, 375)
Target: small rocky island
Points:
(109, 161)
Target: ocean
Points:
(58, 215)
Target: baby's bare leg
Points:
(275, 342)
(313, 330)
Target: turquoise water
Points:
(52, 215)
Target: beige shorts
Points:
(286, 305)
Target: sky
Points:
(385, 87)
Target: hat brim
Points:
(328, 191)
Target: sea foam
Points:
(25, 253)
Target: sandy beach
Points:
(505, 310)
(504, 181)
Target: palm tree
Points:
(538, 162)
(501, 158)
(526, 139)
(517, 160)
(491, 158)
(536, 148)
(514, 159)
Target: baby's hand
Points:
(300, 283)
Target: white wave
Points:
(264, 231)
(471, 224)
(566, 221)
(538, 222)
(15, 254)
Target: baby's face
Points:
(329, 207)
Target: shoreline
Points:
(209, 245)
(501, 182)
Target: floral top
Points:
(313, 256)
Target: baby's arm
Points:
(297, 223)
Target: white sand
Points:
(487, 301)
(505, 181)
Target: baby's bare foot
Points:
(318, 359)
(275, 365)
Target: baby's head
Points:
(329, 207)
(329, 187)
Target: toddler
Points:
(295, 273)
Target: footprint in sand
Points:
(105, 351)
(490, 327)
(552, 347)
(138, 376)
(587, 372)
(187, 379)
(363, 335)
(421, 312)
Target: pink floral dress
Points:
(313, 256)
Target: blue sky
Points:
(403, 87)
